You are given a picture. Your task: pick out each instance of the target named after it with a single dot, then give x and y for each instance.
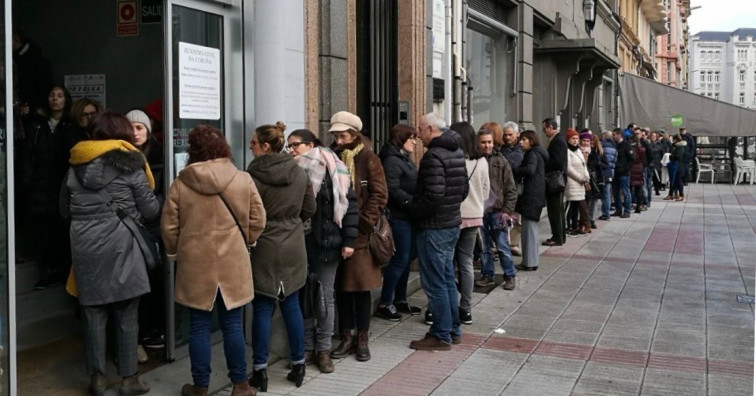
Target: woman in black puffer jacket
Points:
(530, 204)
(401, 179)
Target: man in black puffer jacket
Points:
(441, 188)
(621, 181)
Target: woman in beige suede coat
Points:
(212, 261)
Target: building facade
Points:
(671, 54)
(642, 22)
(722, 65)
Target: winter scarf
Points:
(88, 150)
(316, 163)
(348, 157)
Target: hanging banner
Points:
(126, 22)
(199, 82)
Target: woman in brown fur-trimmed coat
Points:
(358, 273)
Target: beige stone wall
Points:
(312, 64)
(412, 59)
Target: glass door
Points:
(7, 272)
(204, 85)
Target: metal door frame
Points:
(233, 116)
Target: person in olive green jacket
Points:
(279, 263)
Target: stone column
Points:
(411, 51)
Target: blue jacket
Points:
(610, 152)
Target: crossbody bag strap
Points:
(238, 225)
(473, 171)
(129, 222)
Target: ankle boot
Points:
(193, 390)
(97, 384)
(297, 374)
(243, 389)
(363, 352)
(346, 347)
(259, 380)
(133, 386)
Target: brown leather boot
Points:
(192, 390)
(325, 364)
(346, 347)
(243, 389)
(363, 351)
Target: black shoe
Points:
(154, 340)
(405, 308)
(388, 312)
(625, 216)
(465, 316)
(259, 380)
(604, 218)
(617, 214)
(296, 375)
(428, 317)
(522, 268)
(593, 225)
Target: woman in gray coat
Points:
(109, 271)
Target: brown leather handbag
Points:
(381, 241)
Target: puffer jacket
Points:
(401, 179)
(577, 176)
(624, 159)
(636, 169)
(197, 227)
(107, 263)
(502, 183)
(441, 184)
(610, 152)
(678, 154)
(279, 264)
(513, 154)
(657, 152)
(532, 172)
(597, 165)
(690, 147)
(326, 238)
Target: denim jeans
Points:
(233, 343)
(648, 186)
(435, 252)
(463, 257)
(620, 187)
(396, 273)
(606, 200)
(502, 248)
(672, 168)
(264, 307)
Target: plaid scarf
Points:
(315, 163)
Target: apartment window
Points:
(708, 94)
(708, 76)
(716, 95)
(742, 76)
(716, 76)
(741, 99)
(703, 77)
(704, 55)
(669, 71)
(742, 54)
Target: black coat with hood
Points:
(441, 184)
(625, 159)
(107, 262)
(532, 172)
(325, 239)
(401, 179)
(279, 264)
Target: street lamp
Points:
(589, 14)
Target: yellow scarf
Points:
(347, 156)
(88, 150)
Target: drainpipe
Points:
(456, 60)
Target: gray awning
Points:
(649, 103)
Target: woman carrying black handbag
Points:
(329, 235)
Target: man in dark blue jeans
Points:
(621, 181)
(441, 188)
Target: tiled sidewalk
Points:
(645, 305)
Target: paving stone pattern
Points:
(645, 305)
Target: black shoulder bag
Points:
(147, 244)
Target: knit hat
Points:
(571, 132)
(140, 117)
(586, 135)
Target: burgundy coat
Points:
(636, 169)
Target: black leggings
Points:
(354, 310)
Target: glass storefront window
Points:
(4, 308)
(486, 60)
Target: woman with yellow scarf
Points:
(109, 273)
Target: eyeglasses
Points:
(294, 145)
(88, 115)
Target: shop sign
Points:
(127, 23)
(151, 12)
(199, 82)
(90, 86)
(676, 120)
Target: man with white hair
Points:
(513, 153)
(441, 188)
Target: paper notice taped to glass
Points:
(199, 82)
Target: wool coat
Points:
(532, 172)
(361, 272)
(279, 263)
(198, 229)
(108, 265)
(577, 176)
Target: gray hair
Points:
(435, 121)
(606, 135)
(511, 125)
